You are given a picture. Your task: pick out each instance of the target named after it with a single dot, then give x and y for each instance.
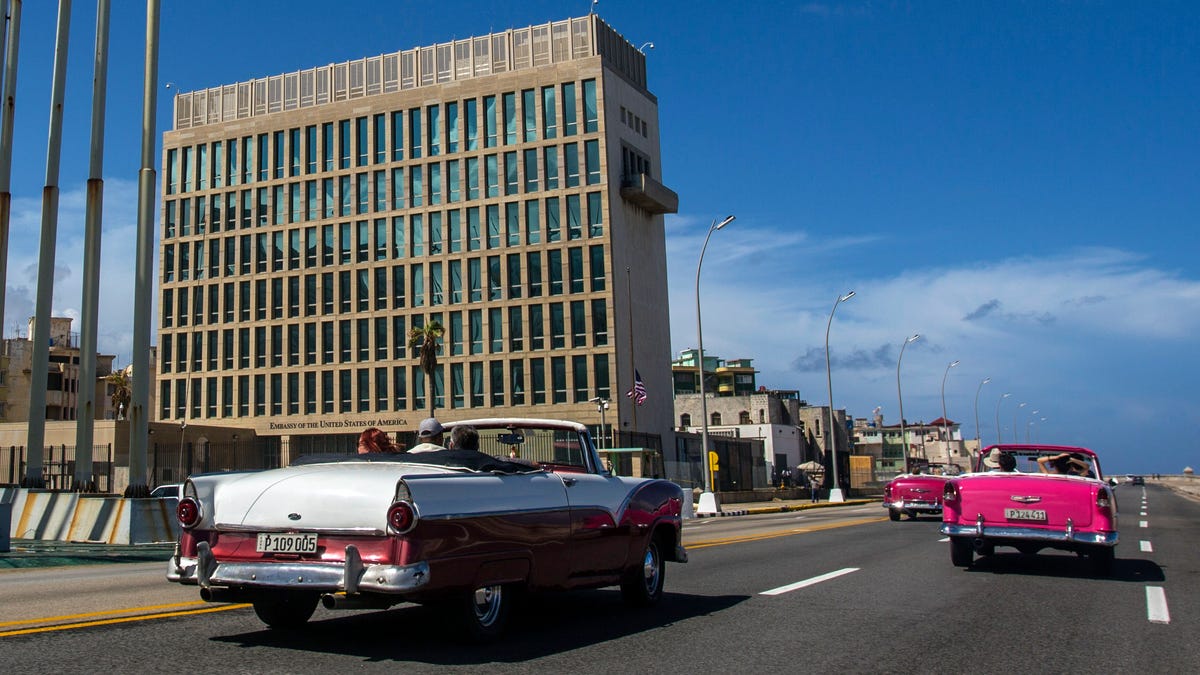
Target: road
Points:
(832, 589)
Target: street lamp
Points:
(601, 407)
(978, 444)
(1032, 414)
(835, 493)
(900, 395)
(998, 439)
(945, 432)
(1015, 439)
(708, 500)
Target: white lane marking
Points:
(1146, 547)
(809, 582)
(1143, 513)
(1143, 523)
(943, 540)
(1156, 605)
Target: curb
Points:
(720, 514)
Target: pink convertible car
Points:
(1031, 497)
(915, 493)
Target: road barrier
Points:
(68, 516)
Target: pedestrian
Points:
(814, 488)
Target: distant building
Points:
(734, 377)
(928, 443)
(62, 385)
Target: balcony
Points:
(649, 194)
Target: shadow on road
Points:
(541, 625)
(1066, 565)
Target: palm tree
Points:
(426, 337)
(121, 394)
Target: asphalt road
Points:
(835, 589)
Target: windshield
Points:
(1049, 461)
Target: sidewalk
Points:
(27, 553)
(780, 506)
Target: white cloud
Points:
(118, 255)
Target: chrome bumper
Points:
(1067, 536)
(926, 507)
(351, 577)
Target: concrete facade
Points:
(508, 186)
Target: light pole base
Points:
(709, 503)
(835, 495)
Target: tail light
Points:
(401, 517)
(1105, 501)
(188, 512)
(950, 492)
(887, 492)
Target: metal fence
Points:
(58, 466)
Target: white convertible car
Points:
(460, 528)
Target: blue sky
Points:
(1015, 181)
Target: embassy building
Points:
(507, 186)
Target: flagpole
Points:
(632, 360)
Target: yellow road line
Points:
(784, 533)
(125, 619)
(68, 617)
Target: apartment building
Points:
(508, 187)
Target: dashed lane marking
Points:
(1143, 523)
(1145, 546)
(1156, 605)
(809, 582)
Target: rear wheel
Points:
(961, 553)
(642, 586)
(483, 613)
(283, 610)
(894, 515)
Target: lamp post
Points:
(998, 439)
(945, 431)
(601, 407)
(978, 443)
(708, 500)
(835, 493)
(900, 395)
(1032, 414)
(1019, 406)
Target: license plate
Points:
(273, 542)
(1025, 514)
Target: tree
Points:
(121, 393)
(427, 338)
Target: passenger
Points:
(1066, 463)
(373, 440)
(430, 436)
(464, 437)
(996, 460)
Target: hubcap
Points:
(650, 569)
(487, 601)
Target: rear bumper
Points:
(351, 576)
(913, 506)
(1016, 533)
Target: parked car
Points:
(914, 493)
(1033, 507)
(461, 529)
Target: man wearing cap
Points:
(430, 436)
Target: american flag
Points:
(638, 393)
